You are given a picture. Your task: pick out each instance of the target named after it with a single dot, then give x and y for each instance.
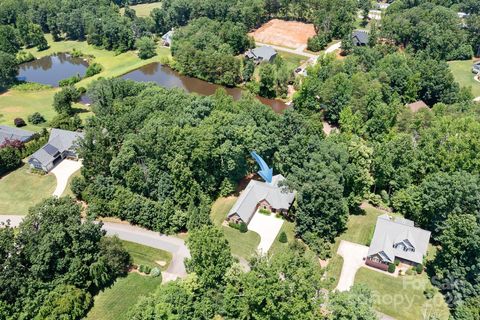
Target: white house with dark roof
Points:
(12, 133)
(258, 195)
(261, 54)
(397, 238)
(61, 144)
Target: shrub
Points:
(283, 237)
(141, 268)
(146, 47)
(9, 159)
(146, 269)
(318, 42)
(65, 122)
(409, 272)
(31, 86)
(93, 69)
(24, 56)
(155, 272)
(242, 227)
(77, 186)
(76, 53)
(391, 268)
(36, 118)
(69, 81)
(419, 268)
(19, 122)
(397, 262)
(264, 211)
(429, 293)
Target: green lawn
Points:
(293, 60)
(68, 191)
(20, 189)
(359, 230)
(143, 10)
(277, 247)
(20, 104)
(242, 244)
(114, 302)
(462, 71)
(147, 255)
(402, 297)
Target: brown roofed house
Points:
(417, 105)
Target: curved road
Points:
(141, 236)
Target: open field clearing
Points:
(462, 71)
(290, 34)
(21, 189)
(144, 9)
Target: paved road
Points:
(142, 236)
(353, 255)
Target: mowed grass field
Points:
(462, 71)
(20, 189)
(143, 10)
(115, 302)
(242, 244)
(147, 255)
(20, 104)
(403, 297)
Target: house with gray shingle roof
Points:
(12, 133)
(61, 144)
(261, 54)
(397, 238)
(167, 38)
(261, 195)
(360, 38)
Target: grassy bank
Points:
(20, 189)
(462, 71)
(242, 244)
(403, 297)
(114, 302)
(148, 256)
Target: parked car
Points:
(476, 68)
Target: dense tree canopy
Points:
(54, 263)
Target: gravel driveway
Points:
(267, 227)
(62, 172)
(353, 255)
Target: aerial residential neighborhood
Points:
(234, 160)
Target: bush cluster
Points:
(36, 118)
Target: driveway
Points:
(141, 236)
(62, 172)
(353, 255)
(267, 227)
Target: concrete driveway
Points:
(353, 255)
(267, 227)
(62, 172)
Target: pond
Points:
(51, 69)
(166, 77)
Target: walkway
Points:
(353, 255)
(62, 172)
(141, 236)
(267, 227)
